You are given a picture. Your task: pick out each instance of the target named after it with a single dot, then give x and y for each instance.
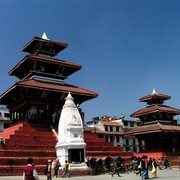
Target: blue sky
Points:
(126, 47)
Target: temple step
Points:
(23, 141)
(27, 153)
(103, 148)
(22, 161)
(33, 140)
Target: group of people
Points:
(164, 164)
(143, 166)
(51, 170)
(53, 167)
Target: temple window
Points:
(134, 142)
(117, 139)
(111, 138)
(127, 141)
(125, 123)
(107, 139)
(7, 115)
(131, 124)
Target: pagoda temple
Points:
(157, 127)
(39, 94)
(36, 101)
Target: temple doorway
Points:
(76, 155)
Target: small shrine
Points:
(71, 145)
(157, 126)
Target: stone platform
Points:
(173, 174)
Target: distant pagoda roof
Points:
(153, 128)
(44, 46)
(155, 98)
(154, 109)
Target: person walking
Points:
(154, 168)
(48, 169)
(144, 173)
(56, 167)
(30, 172)
(66, 170)
(2, 142)
(115, 168)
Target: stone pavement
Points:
(167, 174)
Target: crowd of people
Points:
(51, 170)
(144, 165)
(140, 165)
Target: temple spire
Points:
(44, 36)
(154, 91)
(70, 145)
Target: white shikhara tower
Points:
(70, 145)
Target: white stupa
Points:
(71, 145)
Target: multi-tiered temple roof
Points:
(158, 128)
(156, 111)
(42, 79)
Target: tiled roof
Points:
(147, 129)
(31, 83)
(154, 109)
(113, 133)
(93, 130)
(98, 131)
(110, 123)
(29, 58)
(57, 46)
(154, 95)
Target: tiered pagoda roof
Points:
(155, 98)
(158, 128)
(153, 128)
(44, 46)
(42, 77)
(156, 111)
(46, 65)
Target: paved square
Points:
(173, 174)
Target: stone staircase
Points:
(23, 141)
(96, 146)
(26, 140)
